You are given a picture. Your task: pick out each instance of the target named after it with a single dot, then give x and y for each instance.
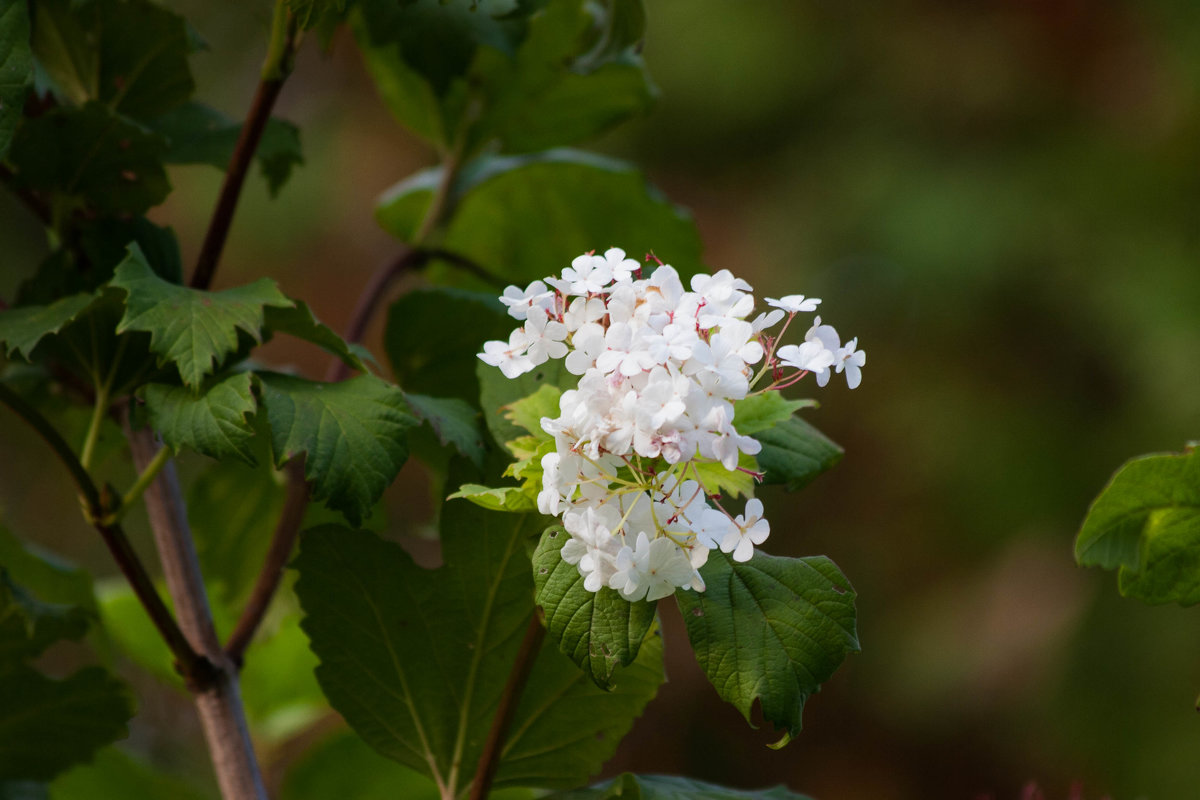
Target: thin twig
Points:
(194, 667)
(489, 759)
(275, 72)
(271, 573)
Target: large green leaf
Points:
(566, 727)
(47, 725)
(420, 672)
(29, 626)
(299, 321)
(433, 336)
(93, 157)
(199, 134)
(1147, 523)
(669, 787)
(16, 69)
(771, 629)
(497, 393)
(46, 575)
(760, 412)
(21, 329)
(599, 631)
(131, 55)
(454, 422)
(794, 453)
(191, 328)
(581, 202)
(352, 435)
(572, 77)
(215, 422)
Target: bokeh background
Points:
(1002, 200)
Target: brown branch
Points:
(489, 759)
(97, 507)
(282, 541)
(219, 704)
(265, 96)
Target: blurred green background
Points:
(1002, 200)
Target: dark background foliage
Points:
(1000, 199)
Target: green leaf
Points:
(731, 483)
(352, 434)
(433, 335)
(497, 392)
(760, 412)
(199, 134)
(93, 157)
(215, 422)
(47, 725)
(582, 202)
(299, 321)
(465, 620)
(131, 55)
(1147, 523)
(21, 329)
(309, 12)
(454, 421)
(771, 629)
(45, 574)
(232, 509)
(117, 775)
(599, 631)
(571, 78)
(527, 412)
(501, 498)
(28, 626)
(566, 727)
(669, 787)
(191, 328)
(16, 69)
(280, 688)
(794, 453)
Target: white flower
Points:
(622, 268)
(651, 570)
(810, 356)
(545, 337)
(851, 360)
(588, 274)
(749, 529)
(509, 356)
(794, 303)
(520, 301)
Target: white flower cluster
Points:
(660, 370)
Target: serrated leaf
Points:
(21, 329)
(16, 69)
(92, 156)
(465, 620)
(47, 725)
(527, 412)
(760, 412)
(599, 631)
(191, 328)
(501, 498)
(794, 453)
(770, 629)
(670, 787)
(1146, 522)
(731, 483)
(299, 321)
(454, 422)
(552, 742)
(497, 392)
(215, 422)
(352, 435)
(199, 134)
(432, 337)
(582, 201)
(131, 55)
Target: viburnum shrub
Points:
(602, 456)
